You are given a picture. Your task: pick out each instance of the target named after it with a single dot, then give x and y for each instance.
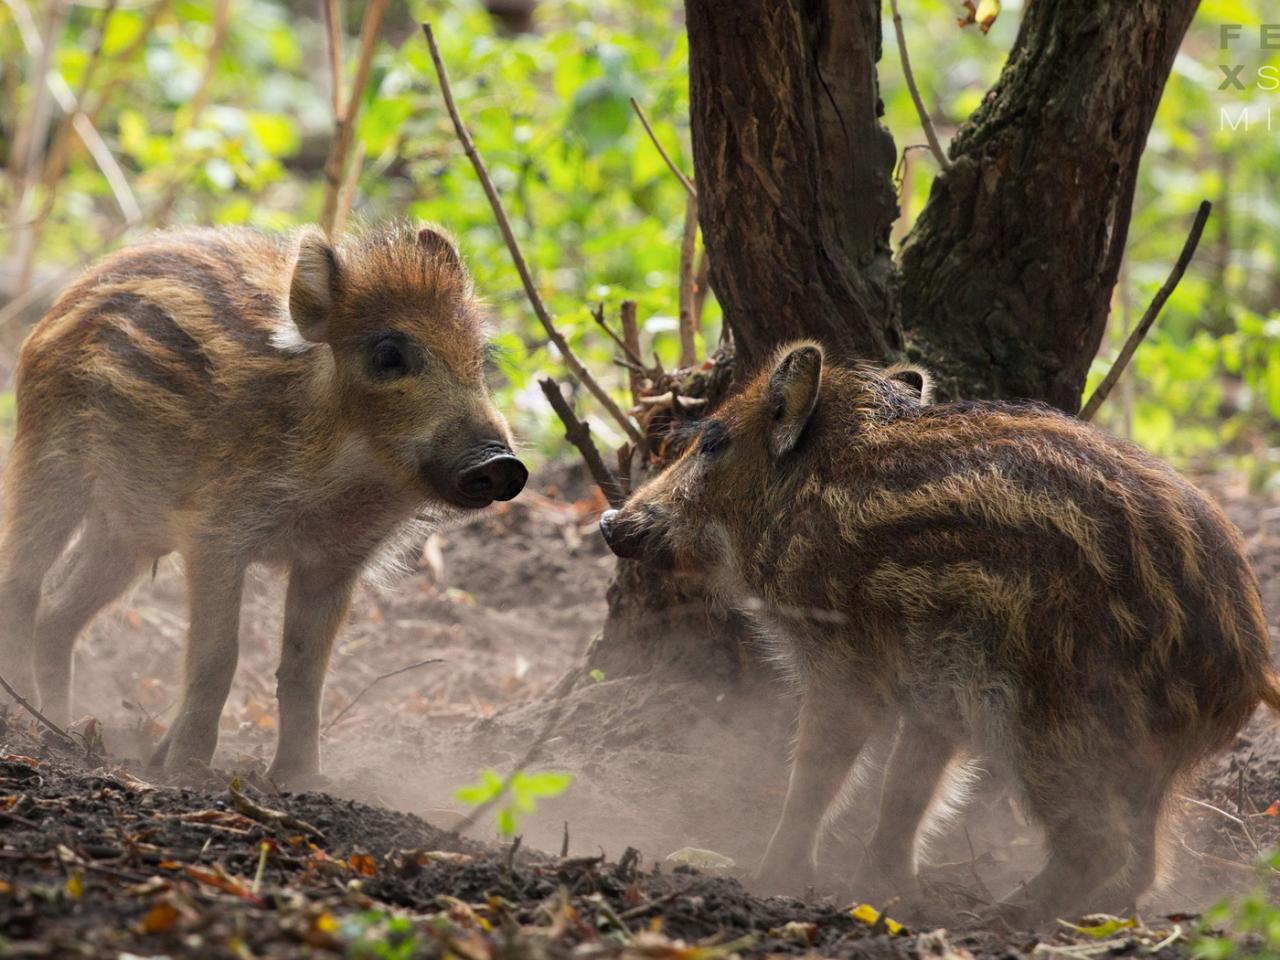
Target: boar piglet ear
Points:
(316, 283)
(440, 246)
(917, 380)
(791, 395)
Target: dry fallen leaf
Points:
(161, 918)
(220, 881)
(984, 14)
(363, 864)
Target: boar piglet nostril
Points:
(626, 540)
(500, 477)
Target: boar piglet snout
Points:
(636, 535)
(488, 471)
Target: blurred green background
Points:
(596, 210)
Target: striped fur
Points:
(1006, 581)
(173, 400)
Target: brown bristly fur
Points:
(231, 395)
(997, 580)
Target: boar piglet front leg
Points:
(315, 606)
(836, 720)
(215, 581)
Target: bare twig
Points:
(671, 164)
(579, 434)
(335, 164)
(688, 247)
(373, 683)
(27, 149)
(935, 147)
(333, 27)
(22, 701)
(221, 20)
(348, 192)
(75, 118)
(272, 818)
(631, 338)
(1149, 318)
(973, 869)
(55, 158)
(631, 357)
(701, 286)
(535, 299)
(28, 137)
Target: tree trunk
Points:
(794, 172)
(1007, 275)
(796, 200)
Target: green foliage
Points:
(521, 794)
(598, 214)
(1248, 926)
(377, 935)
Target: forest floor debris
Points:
(100, 856)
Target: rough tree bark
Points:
(794, 170)
(1007, 275)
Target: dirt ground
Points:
(99, 856)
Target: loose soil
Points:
(100, 856)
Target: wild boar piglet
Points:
(992, 580)
(240, 397)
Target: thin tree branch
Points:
(631, 341)
(688, 248)
(21, 701)
(348, 192)
(935, 147)
(579, 434)
(531, 291)
(75, 117)
(671, 164)
(335, 164)
(373, 683)
(221, 20)
(632, 359)
(1149, 318)
(333, 27)
(701, 286)
(55, 158)
(117, 78)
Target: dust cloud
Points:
(510, 603)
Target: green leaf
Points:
(275, 132)
(506, 822)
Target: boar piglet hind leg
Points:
(315, 606)
(836, 720)
(215, 582)
(94, 571)
(913, 773)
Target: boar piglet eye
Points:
(714, 440)
(392, 355)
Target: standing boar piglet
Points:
(986, 579)
(240, 397)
